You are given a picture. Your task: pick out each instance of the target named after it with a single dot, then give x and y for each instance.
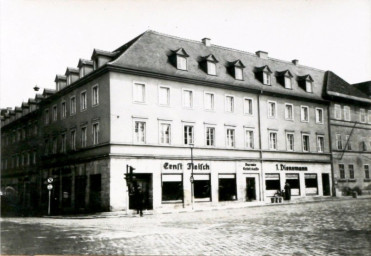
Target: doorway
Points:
(95, 192)
(250, 189)
(145, 182)
(326, 184)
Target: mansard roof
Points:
(365, 87)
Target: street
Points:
(338, 227)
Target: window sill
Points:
(172, 202)
(207, 199)
(367, 180)
(342, 180)
(352, 180)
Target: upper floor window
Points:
(247, 106)
(362, 115)
(342, 171)
(319, 115)
(288, 84)
(230, 140)
(290, 141)
(346, 113)
(95, 95)
(304, 114)
(272, 109)
(165, 133)
(95, 133)
(63, 109)
(210, 136)
(54, 145)
(180, 56)
(139, 92)
(306, 143)
(249, 139)
(209, 101)
(63, 143)
(46, 116)
(229, 103)
(337, 110)
(320, 143)
(348, 142)
(289, 111)
(238, 73)
(35, 128)
(73, 140)
(72, 105)
(367, 171)
(55, 113)
(308, 86)
(83, 101)
(339, 142)
(362, 146)
(84, 136)
(273, 140)
(351, 171)
(306, 83)
(369, 116)
(164, 96)
(140, 132)
(187, 98)
(266, 78)
(188, 135)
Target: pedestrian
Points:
(287, 191)
(139, 200)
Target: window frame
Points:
(267, 79)
(310, 83)
(337, 111)
(233, 137)
(240, 78)
(63, 143)
(275, 109)
(160, 87)
(73, 105)
(252, 141)
(305, 135)
(83, 101)
(366, 171)
(84, 140)
(319, 149)
(161, 123)
(63, 109)
(317, 116)
(362, 113)
(252, 107)
(347, 115)
(213, 128)
(54, 113)
(95, 132)
(191, 99)
(232, 103)
(212, 101)
(144, 92)
(288, 142)
(95, 98)
(46, 116)
(136, 134)
(338, 141)
(192, 137)
(351, 171)
(73, 134)
(208, 65)
(285, 79)
(292, 112)
(349, 144)
(301, 114)
(178, 62)
(271, 144)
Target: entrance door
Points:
(95, 192)
(145, 182)
(250, 189)
(326, 184)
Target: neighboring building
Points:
(350, 119)
(251, 122)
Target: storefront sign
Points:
(283, 167)
(179, 166)
(250, 167)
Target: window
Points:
(209, 101)
(342, 171)
(229, 103)
(288, 84)
(164, 96)
(210, 136)
(72, 105)
(272, 109)
(249, 139)
(202, 187)
(19, 134)
(305, 143)
(272, 181)
(320, 144)
(17, 161)
(339, 142)
(46, 116)
(337, 111)
(172, 187)
(238, 75)
(95, 133)
(23, 133)
(140, 132)
(230, 138)
(211, 68)
(54, 145)
(348, 142)
(247, 106)
(55, 113)
(95, 95)
(351, 171)
(311, 184)
(46, 142)
(188, 135)
(83, 101)
(81, 72)
(187, 98)
(290, 141)
(367, 171)
(308, 86)
(319, 115)
(289, 112)
(63, 110)
(369, 116)
(227, 187)
(266, 78)
(346, 113)
(139, 92)
(165, 133)
(34, 157)
(181, 62)
(304, 114)
(63, 143)
(84, 136)
(73, 140)
(273, 140)
(362, 146)
(362, 115)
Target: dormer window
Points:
(209, 64)
(288, 82)
(95, 64)
(211, 68)
(284, 78)
(236, 69)
(263, 74)
(308, 86)
(81, 72)
(238, 73)
(181, 63)
(179, 59)
(306, 83)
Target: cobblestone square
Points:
(339, 227)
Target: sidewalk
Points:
(201, 208)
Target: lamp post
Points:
(192, 178)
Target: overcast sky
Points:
(40, 38)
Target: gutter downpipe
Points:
(331, 153)
(260, 152)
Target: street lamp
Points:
(192, 178)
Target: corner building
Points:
(247, 123)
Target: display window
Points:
(294, 182)
(172, 188)
(227, 187)
(272, 183)
(311, 184)
(202, 187)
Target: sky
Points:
(41, 38)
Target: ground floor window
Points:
(172, 188)
(311, 184)
(202, 187)
(272, 183)
(294, 182)
(227, 187)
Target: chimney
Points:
(206, 41)
(295, 62)
(262, 54)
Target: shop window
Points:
(202, 187)
(342, 171)
(294, 182)
(272, 182)
(80, 194)
(311, 184)
(172, 188)
(67, 190)
(227, 187)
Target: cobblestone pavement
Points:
(322, 228)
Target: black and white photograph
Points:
(158, 127)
